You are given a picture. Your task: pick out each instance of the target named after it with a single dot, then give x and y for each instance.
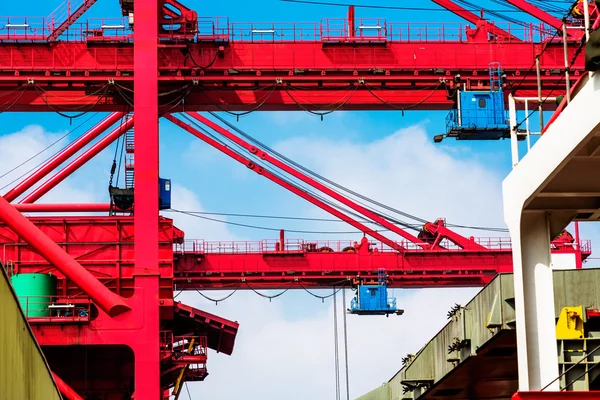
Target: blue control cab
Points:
(373, 299)
(480, 115)
(164, 194)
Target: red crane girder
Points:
(104, 246)
(410, 66)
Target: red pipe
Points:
(66, 390)
(308, 180)
(108, 301)
(78, 162)
(62, 156)
(294, 189)
(63, 208)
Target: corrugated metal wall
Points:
(24, 374)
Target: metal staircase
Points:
(129, 159)
(65, 15)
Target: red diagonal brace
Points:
(294, 189)
(474, 19)
(66, 390)
(537, 13)
(79, 161)
(108, 301)
(63, 156)
(308, 180)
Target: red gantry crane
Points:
(110, 308)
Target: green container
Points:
(35, 293)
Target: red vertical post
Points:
(147, 361)
(351, 20)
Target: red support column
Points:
(78, 162)
(147, 360)
(63, 156)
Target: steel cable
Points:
(336, 349)
(346, 345)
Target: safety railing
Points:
(56, 308)
(220, 29)
(40, 28)
(213, 28)
(340, 246)
(335, 29)
(23, 29)
(274, 32)
(101, 29)
(480, 119)
(180, 344)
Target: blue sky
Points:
(383, 154)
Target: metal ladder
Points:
(129, 159)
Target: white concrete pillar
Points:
(534, 301)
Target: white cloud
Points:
(183, 199)
(18, 147)
(285, 348)
(407, 171)
(294, 359)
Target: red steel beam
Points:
(537, 13)
(65, 389)
(108, 301)
(79, 161)
(62, 156)
(306, 196)
(306, 179)
(63, 208)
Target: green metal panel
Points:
(34, 292)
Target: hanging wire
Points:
(259, 104)
(265, 228)
(216, 301)
(346, 344)
(102, 91)
(313, 173)
(435, 89)
(267, 296)
(336, 351)
(291, 218)
(324, 3)
(287, 160)
(558, 83)
(257, 161)
(323, 298)
(321, 113)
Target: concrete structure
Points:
(24, 373)
(475, 355)
(555, 183)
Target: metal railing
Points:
(338, 246)
(220, 29)
(56, 308)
